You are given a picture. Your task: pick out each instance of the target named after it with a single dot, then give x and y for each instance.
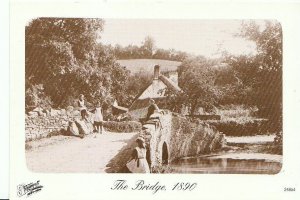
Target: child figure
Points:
(98, 119)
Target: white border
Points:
(211, 186)
(4, 100)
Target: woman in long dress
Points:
(138, 163)
(98, 118)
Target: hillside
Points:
(146, 65)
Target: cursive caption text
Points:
(156, 187)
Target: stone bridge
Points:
(169, 136)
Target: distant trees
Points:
(147, 48)
(148, 51)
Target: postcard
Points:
(154, 100)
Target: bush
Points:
(126, 126)
(236, 111)
(35, 97)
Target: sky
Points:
(198, 37)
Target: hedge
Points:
(250, 128)
(121, 127)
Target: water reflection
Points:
(206, 165)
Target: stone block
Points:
(72, 128)
(84, 127)
(63, 112)
(54, 112)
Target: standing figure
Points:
(138, 163)
(98, 118)
(82, 107)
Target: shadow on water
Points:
(208, 165)
(117, 163)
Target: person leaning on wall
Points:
(152, 108)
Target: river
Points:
(224, 164)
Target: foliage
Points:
(35, 97)
(235, 80)
(260, 76)
(63, 55)
(196, 79)
(148, 46)
(255, 81)
(236, 112)
(244, 127)
(148, 50)
(136, 84)
(121, 127)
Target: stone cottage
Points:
(156, 90)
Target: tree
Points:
(136, 84)
(267, 84)
(35, 97)
(147, 47)
(63, 56)
(56, 49)
(196, 79)
(236, 80)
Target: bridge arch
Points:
(165, 154)
(157, 134)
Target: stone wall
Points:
(41, 124)
(37, 127)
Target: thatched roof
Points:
(170, 84)
(161, 101)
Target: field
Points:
(146, 65)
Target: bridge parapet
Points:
(169, 137)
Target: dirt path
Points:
(94, 153)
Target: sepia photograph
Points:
(162, 96)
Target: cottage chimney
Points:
(156, 72)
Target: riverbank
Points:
(241, 155)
